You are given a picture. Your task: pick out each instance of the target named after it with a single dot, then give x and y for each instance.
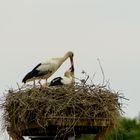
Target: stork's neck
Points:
(69, 74)
(62, 59)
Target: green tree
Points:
(129, 130)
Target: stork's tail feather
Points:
(28, 76)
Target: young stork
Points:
(48, 68)
(68, 78)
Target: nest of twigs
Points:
(41, 105)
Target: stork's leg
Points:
(46, 81)
(34, 83)
(40, 82)
(45, 85)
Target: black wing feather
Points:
(36, 66)
(56, 81)
(33, 73)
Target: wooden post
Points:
(51, 138)
(102, 134)
(14, 135)
(71, 138)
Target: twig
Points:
(101, 70)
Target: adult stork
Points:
(46, 69)
(68, 78)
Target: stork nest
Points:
(40, 105)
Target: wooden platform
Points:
(65, 128)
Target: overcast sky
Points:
(31, 31)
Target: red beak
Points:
(71, 68)
(71, 60)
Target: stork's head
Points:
(70, 72)
(70, 54)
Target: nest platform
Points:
(60, 112)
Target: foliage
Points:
(129, 129)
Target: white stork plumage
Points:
(48, 68)
(68, 78)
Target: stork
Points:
(46, 69)
(68, 78)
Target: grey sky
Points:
(33, 30)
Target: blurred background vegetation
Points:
(129, 129)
